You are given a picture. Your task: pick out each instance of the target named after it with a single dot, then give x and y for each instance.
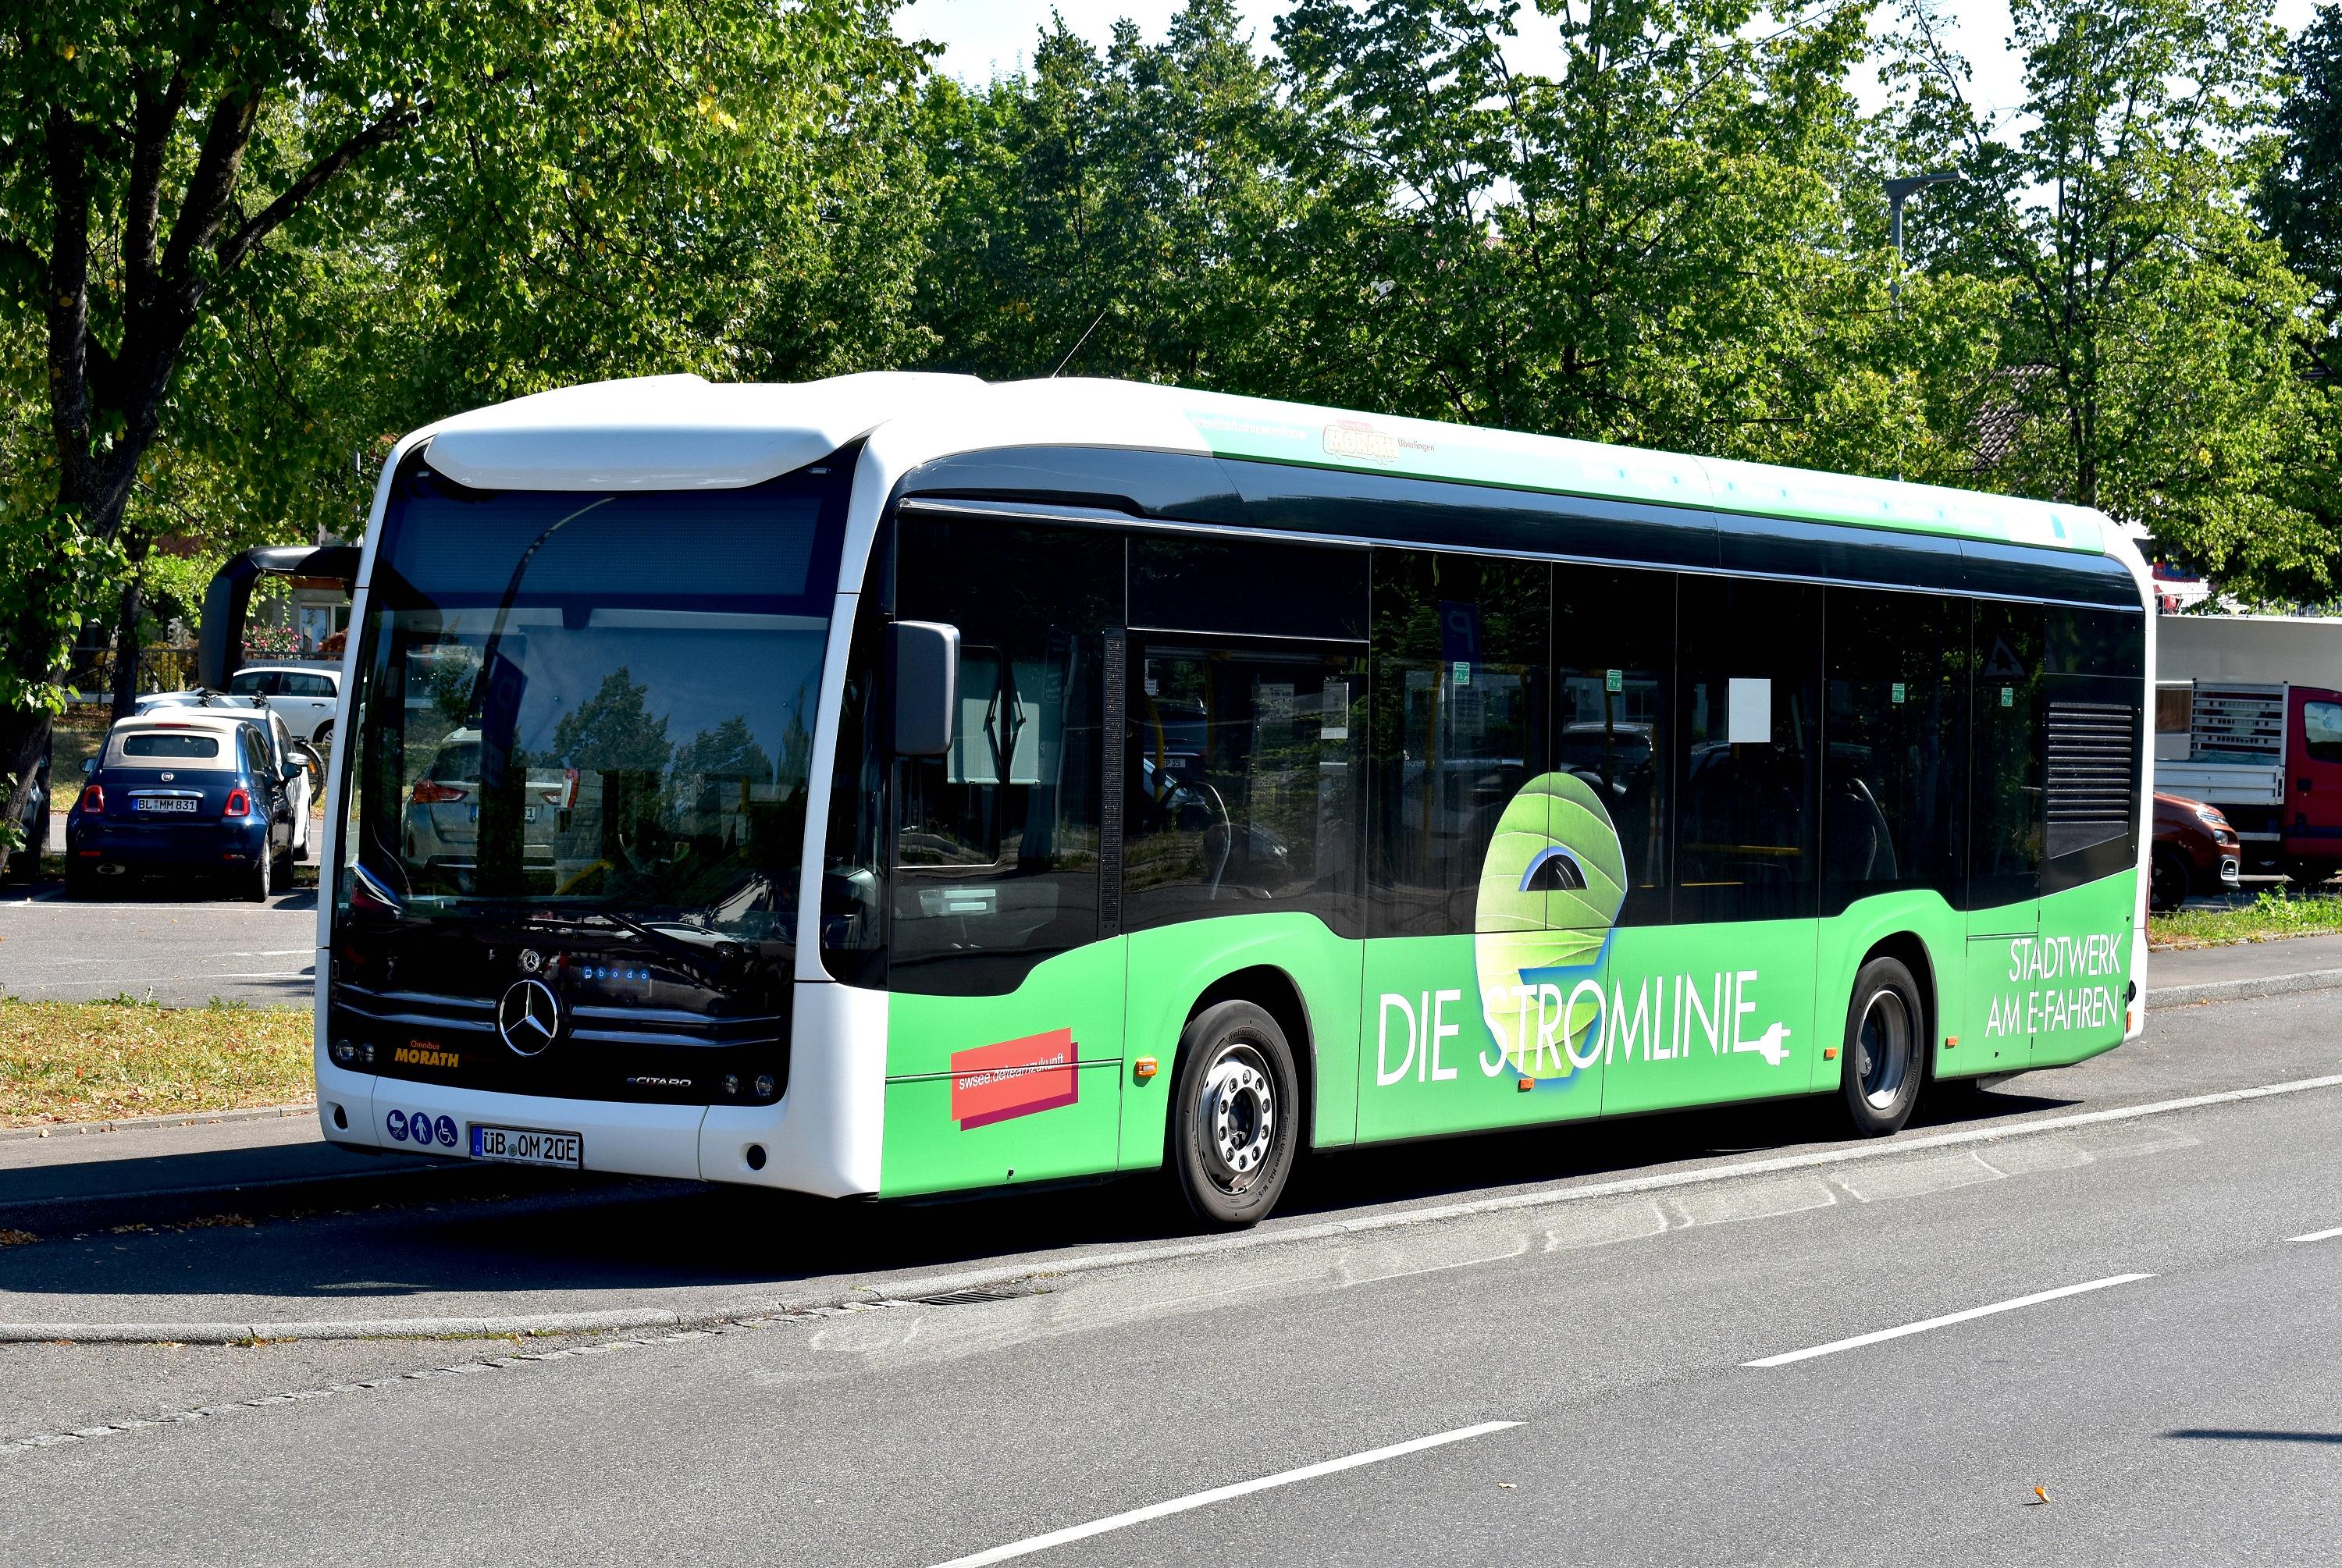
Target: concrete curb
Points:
(997, 1276)
(2243, 990)
(136, 1123)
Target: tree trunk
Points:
(127, 646)
(23, 742)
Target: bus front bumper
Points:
(822, 1137)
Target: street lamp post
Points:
(1896, 190)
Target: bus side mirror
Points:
(923, 667)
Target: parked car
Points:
(305, 697)
(23, 864)
(2195, 851)
(214, 792)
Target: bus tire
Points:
(1885, 1057)
(1235, 1115)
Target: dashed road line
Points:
(1923, 1324)
(1073, 1533)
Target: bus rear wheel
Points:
(1885, 1057)
(1235, 1114)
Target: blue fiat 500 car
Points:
(184, 792)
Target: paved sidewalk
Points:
(159, 1170)
(2243, 961)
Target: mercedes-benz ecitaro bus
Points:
(902, 784)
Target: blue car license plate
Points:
(164, 802)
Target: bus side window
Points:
(1894, 774)
(1614, 655)
(2005, 811)
(2094, 714)
(1458, 725)
(996, 842)
(1747, 691)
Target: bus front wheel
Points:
(1883, 1058)
(1235, 1115)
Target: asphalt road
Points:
(2183, 1408)
(177, 943)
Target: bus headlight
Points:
(345, 1051)
(764, 1085)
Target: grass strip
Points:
(2272, 914)
(93, 1061)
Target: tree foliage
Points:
(242, 246)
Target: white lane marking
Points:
(194, 958)
(1858, 1341)
(1219, 1494)
(2318, 1235)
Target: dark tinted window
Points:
(1613, 649)
(2095, 643)
(301, 685)
(996, 846)
(1748, 697)
(647, 548)
(253, 682)
(1244, 783)
(153, 744)
(2005, 804)
(1894, 777)
(1459, 725)
(1193, 584)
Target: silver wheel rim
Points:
(1883, 1049)
(1237, 1112)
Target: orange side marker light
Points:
(1829, 1053)
(1145, 1067)
(1528, 1084)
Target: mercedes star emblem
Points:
(531, 960)
(529, 1016)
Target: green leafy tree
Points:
(2300, 196)
(531, 193)
(1115, 213)
(1648, 245)
(2149, 352)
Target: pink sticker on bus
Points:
(1015, 1078)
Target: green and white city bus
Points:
(899, 783)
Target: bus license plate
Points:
(526, 1146)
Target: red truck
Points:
(2270, 758)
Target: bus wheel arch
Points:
(1888, 1058)
(1273, 991)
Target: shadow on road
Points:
(472, 1229)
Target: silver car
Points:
(441, 819)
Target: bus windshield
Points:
(592, 706)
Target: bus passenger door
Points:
(1004, 1032)
(1718, 1005)
(2005, 832)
